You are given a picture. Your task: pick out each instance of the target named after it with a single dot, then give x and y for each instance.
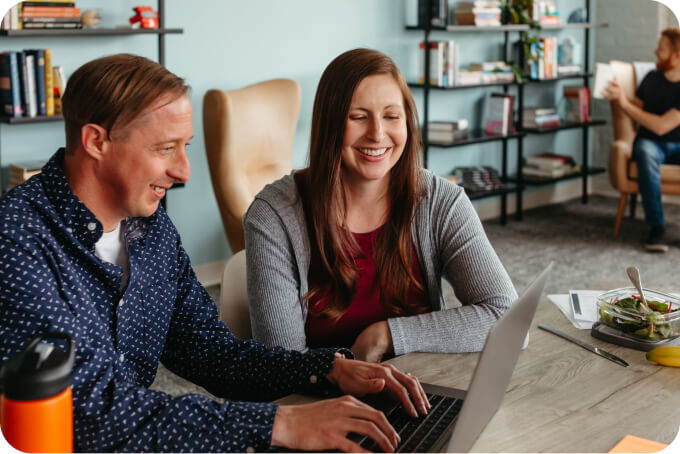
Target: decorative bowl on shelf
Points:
(622, 309)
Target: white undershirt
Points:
(111, 248)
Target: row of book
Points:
(443, 63)
(52, 14)
(420, 11)
(478, 178)
(29, 84)
(543, 63)
(440, 14)
(478, 12)
(549, 165)
(445, 69)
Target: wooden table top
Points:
(563, 398)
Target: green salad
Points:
(659, 322)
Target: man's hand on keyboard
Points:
(324, 425)
(359, 378)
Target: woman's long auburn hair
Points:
(322, 191)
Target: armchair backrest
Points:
(249, 136)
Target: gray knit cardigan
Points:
(449, 240)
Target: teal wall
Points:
(227, 44)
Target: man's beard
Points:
(664, 65)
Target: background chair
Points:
(622, 169)
(234, 310)
(249, 140)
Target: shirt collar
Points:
(77, 218)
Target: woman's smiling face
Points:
(375, 130)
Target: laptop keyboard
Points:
(420, 434)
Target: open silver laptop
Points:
(458, 417)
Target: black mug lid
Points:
(40, 370)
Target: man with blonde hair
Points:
(85, 249)
(656, 109)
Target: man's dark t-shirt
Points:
(658, 95)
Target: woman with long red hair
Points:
(351, 250)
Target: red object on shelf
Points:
(146, 16)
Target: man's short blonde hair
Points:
(113, 91)
(673, 35)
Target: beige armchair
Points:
(234, 309)
(622, 169)
(249, 136)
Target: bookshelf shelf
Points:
(564, 125)
(554, 79)
(583, 25)
(462, 87)
(531, 180)
(90, 32)
(474, 28)
(476, 136)
(25, 120)
(159, 33)
(507, 27)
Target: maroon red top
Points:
(366, 307)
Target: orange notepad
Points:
(631, 443)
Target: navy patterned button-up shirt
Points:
(51, 280)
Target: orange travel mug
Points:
(36, 406)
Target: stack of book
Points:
(493, 71)
(443, 63)
(31, 83)
(478, 12)
(577, 103)
(545, 12)
(549, 165)
(478, 179)
(22, 171)
(469, 78)
(498, 114)
(53, 14)
(490, 72)
(540, 117)
(446, 132)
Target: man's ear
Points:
(93, 138)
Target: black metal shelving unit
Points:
(516, 183)
(159, 32)
(476, 136)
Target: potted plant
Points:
(519, 12)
